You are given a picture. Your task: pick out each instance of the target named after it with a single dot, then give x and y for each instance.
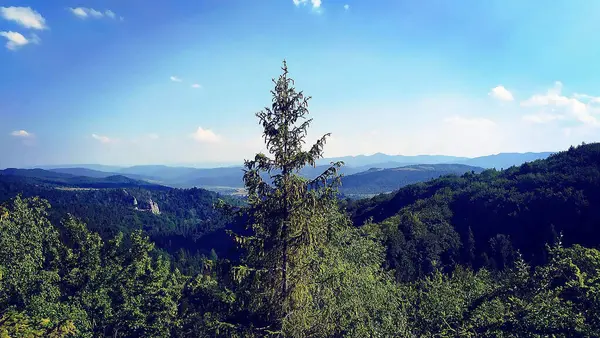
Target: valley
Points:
(363, 175)
(166, 172)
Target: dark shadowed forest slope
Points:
(173, 218)
(483, 219)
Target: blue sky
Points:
(175, 81)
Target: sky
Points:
(126, 82)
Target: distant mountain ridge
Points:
(377, 159)
(505, 160)
(231, 177)
(380, 160)
(61, 179)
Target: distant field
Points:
(235, 191)
(72, 188)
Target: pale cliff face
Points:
(154, 207)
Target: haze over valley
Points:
(363, 175)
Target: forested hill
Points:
(62, 179)
(376, 180)
(483, 219)
(175, 219)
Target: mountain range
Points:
(363, 174)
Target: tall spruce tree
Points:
(281, 211)
(305, 271)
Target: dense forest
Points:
(508, 253)
(185, 219)
(484, 220)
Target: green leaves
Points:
(559, 299)
(305, 269)
(56, 284)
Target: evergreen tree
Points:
(281, 213)
(306, 271)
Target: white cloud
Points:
(570, 106)
(153, 136)
(102, 139)
(501, 93)
(196, 85)
(94, 13)
(476, 122)
(16, 40)
(80, 12)
(543, 117)
(346, 7)
(21, 133)
(205, 136)
(83, 12)
(315, 3)
(175, 79)
(24, 16)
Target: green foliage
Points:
(442, 259)
(559, 299)
(19, 324)
(482, 220)
(304, 262)
(71, 278)
(188, 218)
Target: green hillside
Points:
(61, 179)
(376, 181)
(483, 219)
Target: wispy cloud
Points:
(145, 138)
(475, 122)
(543, 117)
(102, 139)
(501, 93)
(84, 13)
(196, 85)
(205, 136)
(589, 98)
(16, 40)
(557, 104)
(24, 16)
(175, 79)
(346, 7)
(21, 133)
(110, 14)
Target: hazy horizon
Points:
(179, 82)
(210, 165)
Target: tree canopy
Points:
(509, 253)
